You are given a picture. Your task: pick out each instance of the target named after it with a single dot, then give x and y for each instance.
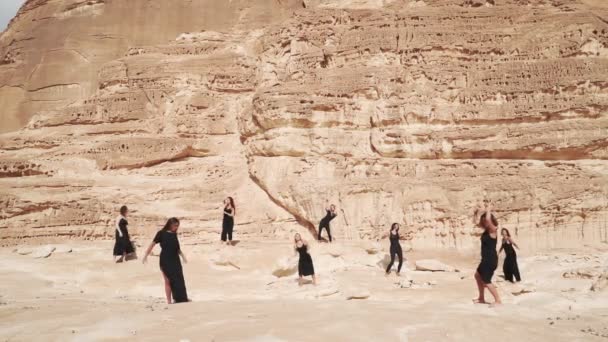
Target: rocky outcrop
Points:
(396, 111)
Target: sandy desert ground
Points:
(82, 295)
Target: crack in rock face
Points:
(395, 111)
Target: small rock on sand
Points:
(326, 292)
(335, 251)
(601, 283)
(24, 251)
(433, 266)
(63, 249)
(224, 258)
(43, 252)
(357, 293)
(520, 289)
(285, 267)
(372, 248)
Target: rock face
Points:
(396, 111)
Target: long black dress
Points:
(489, 258)
(227, 225)
(171, 265)
(123, 243)
(305, 266)
(325, 224)
(509, 267)
(395, 251)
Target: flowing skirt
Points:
(172, 269)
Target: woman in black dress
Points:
(330, 215)
(509, 266)
(395, 248)
(123, 246)
(228, 220)
(305, 266)
(489, 257)
(170, 264)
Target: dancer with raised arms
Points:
(489, 256)
(395, 249)
(305, 265)
(324, 224)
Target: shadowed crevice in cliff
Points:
(301, 220)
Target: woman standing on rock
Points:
(509, 266)
(395, 248)
(330, 215)
(489, 257)
(170, 264)
(228, 220)
(305, 266)
(123, 246)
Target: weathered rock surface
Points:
(396, 111)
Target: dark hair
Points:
(393, 227)
(505, 230)
(482, 220)
(170, 223)
(232, 205)
(123, 210)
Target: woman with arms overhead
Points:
(330, 215)
(305, 266)
(395, 248)
(489, 256)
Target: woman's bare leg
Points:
(480, 288)
(167, 289)
(300, 281)
(494, 293)
(314, 279)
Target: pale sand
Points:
(84, 296)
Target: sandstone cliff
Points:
(406, 111)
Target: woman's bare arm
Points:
(489, 219)
(148, 251)
(183, 256)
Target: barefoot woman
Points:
(170, 265)
(123, 247)
(509, 267)
(489, 257)
(228, 220)
(305, 266)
